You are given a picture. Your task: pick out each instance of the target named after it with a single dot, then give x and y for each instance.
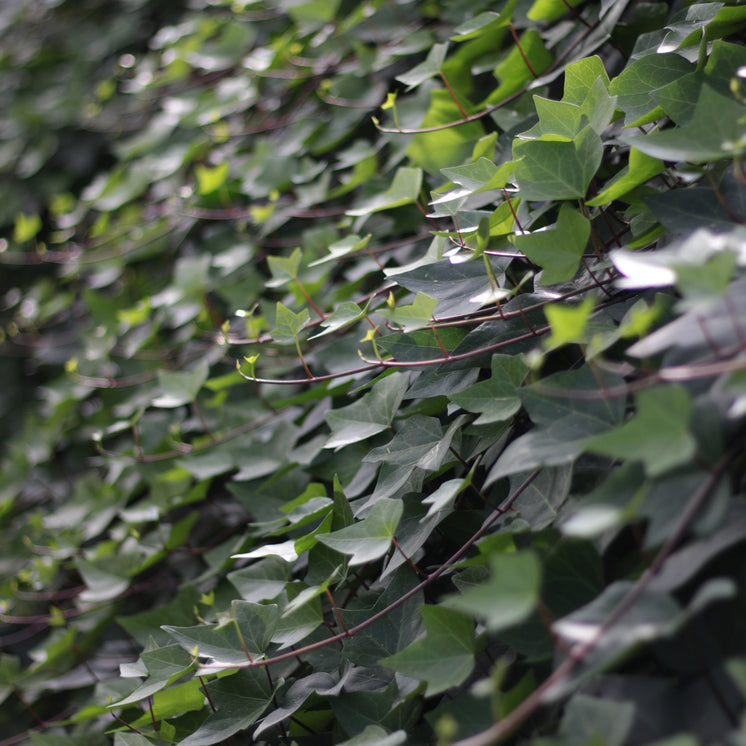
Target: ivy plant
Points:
(373, 373)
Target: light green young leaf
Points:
(181, 387)
(288, 324)
(658, 434)
(413, 316)
(370, 415)
(209, 180)
(445, 657)
(568, 323)
(581, 77)
(559, 250)
(404, 190)
(549, 10)
(369, 539)
(508, 596)
(26, 227)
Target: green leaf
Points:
(209, 180)
(263, 580)
(548, 169)
(587, 718)
(640, 169)
(568, 323)
(496, 399)
(714, 132)
(283, 268)
(164, 666)
(559, 250)
(426, 69)
(445, 657)
(637, 86)
(404, 190)
(344, 314)
(239, 699)
(658, 434)
(549, 10)
(181, 387)
(581, 77)
(369, 539)
(514, 73)
(413, 316)
(26, 227)
(288, 324)
(510, 594)
(338, 249)
(370, 415)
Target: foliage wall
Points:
(373, 372)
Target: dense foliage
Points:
(373, 372)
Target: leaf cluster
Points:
(373, 373)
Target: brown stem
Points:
(421, 573)
(308, 298)
(453, 95)
(336, 612)
(512, 211)
(522, 53)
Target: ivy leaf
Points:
(347, 245)
(495, 400)
(715, 131)
(550, 10)
(548, 170)
(404, 190)
(637, 86)
(180, 387)
(263, 580)
(568, 323)
(283, 268)
(581, 77)
(369, 539)
(256, 624)
(288, 324)
(209, 180)
(559, 250)
(683, 27)
(445, 657)
(370, 415)
(658, 434)
(164, 666)
(510, 594)
(416, 315)
(639, 169)
(426, 69)
(239, 699)
(344, 314)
